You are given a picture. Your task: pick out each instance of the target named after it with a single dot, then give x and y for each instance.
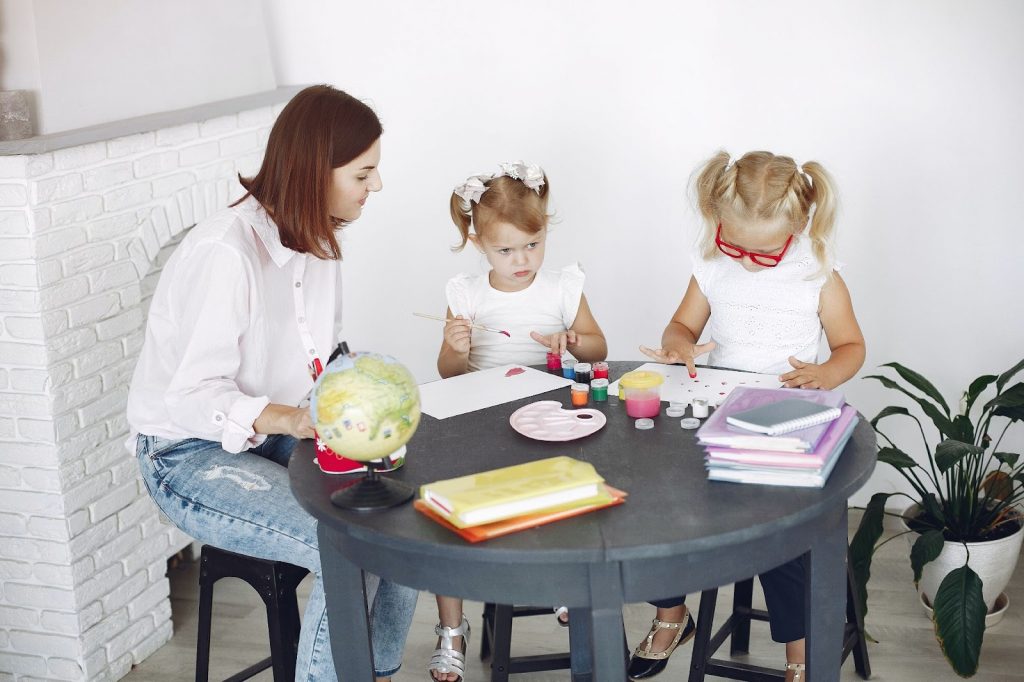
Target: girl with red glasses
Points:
(766, 285)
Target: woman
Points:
(248, 303)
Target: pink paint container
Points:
(600, 370)
(555, 363)
(642, 393)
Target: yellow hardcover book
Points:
(512, 491)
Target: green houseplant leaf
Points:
(920, 383)
(948, 453)
(896, 458)
(888, 412)
(959, 616)
(942, 422)
(862, 547)
(1007, 458)
(1008, 374)
(976, 387)
(926, 548)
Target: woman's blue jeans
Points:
(243, 503)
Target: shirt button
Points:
(312, 351)
(302, 320)
(298, 284)
(218, 418)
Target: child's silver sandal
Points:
(447, 659)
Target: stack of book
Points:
(777, 436)
(501, 501)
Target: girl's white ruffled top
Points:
(759, 319)
(235, 322)
(547, 306)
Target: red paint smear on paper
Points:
(514, 371)
(505, 333)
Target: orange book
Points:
(506, 526)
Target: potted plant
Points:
(967, 494)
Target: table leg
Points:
(347, 617)
(825, 604)
(609, 665)
(581, 635)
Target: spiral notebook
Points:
(783, 416)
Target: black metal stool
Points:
(275, 581)
(737, 629)
(496, 643)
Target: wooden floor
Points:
(906, 650)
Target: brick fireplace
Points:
(87, 219)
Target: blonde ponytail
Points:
(715, 179)
(823, 221)
(462, 219)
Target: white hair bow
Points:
(530, 174)
(472, 189)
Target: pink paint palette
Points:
(547, 420)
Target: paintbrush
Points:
(474, 326)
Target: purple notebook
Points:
(837, 431)
(717, 432)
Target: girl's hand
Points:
(299, 424)
(557, 342)
(457, 334)
(805, 375)
(687, 354)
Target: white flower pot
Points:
(993, 561)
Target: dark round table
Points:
(677, 533)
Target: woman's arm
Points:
(293, 421)
(845, 341)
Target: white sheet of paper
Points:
(713, 384)
(476, 390)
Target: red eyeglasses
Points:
(763, 259)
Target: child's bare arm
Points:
(845, 341)
(584, 339)
(453, 359)
(679, 341)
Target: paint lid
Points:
(644, 423)
(580, 388)
(599, 383)
(675, 411)
(641, 379)
(582, 367)
(689, 423)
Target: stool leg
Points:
(502, 644)
(282, 654)
(702, 637)
(486, 630)
(853, 615)
(742, 598)
(205, 621)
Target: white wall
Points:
(94, 61)
(913, 106)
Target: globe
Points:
(365, 406)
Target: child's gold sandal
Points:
(798, 672)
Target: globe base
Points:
(372, 493)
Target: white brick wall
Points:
(84, 233)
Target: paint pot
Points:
(642, 393)
(675, 411)
(601, 370)
(643, 424)
(689, 423)
(580, 394)
(567, 371)
(600, 389)
(555, 363)
(700, 408)
(582, 370)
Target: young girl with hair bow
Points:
(505, 217)
(766, 285)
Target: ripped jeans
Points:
(243, 503)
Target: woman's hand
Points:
(556, 342)
(686, 354)
(293, 421)
(806, 375)
(457, 333)
(300, 424)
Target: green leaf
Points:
(1011, 397)
(920, 383)
(926, 548)
(1014, 414)
(888, 412)
(949, 452)
(959, 615)
(896, 458)
(862, 547)
(942, 423)
(934, 510)
(1007, 458)
(976, 387)
(963, 428)
(1008, 374)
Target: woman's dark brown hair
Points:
(320, 129)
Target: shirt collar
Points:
(264, 226)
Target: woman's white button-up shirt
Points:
(236, 323)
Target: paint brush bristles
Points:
(474, 326)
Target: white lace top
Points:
(759, 319)
(547, 306)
